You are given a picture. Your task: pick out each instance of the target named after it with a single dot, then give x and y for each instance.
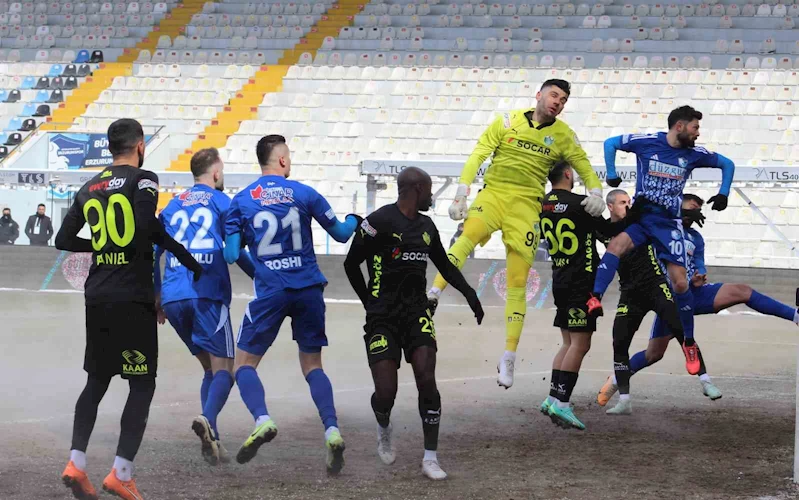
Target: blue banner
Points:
(70, 151)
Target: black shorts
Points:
(388, 337)
(572, 311)
(121, 339)
(635, 304)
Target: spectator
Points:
(39, 227)
(9, 229)
(457, 235)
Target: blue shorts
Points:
(704, 296)
(665, 234)
(265, 315)
(203, 325)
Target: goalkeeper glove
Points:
(593, 203)
(613, 182)
(458, 210)
(719, 202)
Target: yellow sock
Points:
(515, 309)
(464, 245)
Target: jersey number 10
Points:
(292, 219)
(106, 225)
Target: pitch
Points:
(494, 443)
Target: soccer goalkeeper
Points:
(526, 144)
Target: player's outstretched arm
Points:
(157, 269)
(145, 201)
(454, 277)
(727, 167)
(612, 145)
(575, 155)
(232, 250)
(341, 231)
(486, 145)
(359, 252)
(67, 237)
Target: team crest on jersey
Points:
(272, 195)
(426, 238)
(549, 140)
(576, 140)
(682, 162)
(189, 198)
(676, 235)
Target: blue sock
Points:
(322, 394)
(766, 305)
(217, 397)
(252, 391)
(685, 303)
(638, 362)
(605, 273)
(209, 375)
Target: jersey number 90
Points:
(106, 225)
(562, 239)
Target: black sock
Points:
(134, 417)
(702, 368)
(86, 411)
(688, 342)
(553, 384)
(382, 410)
(430, 411)
(621, 369)
(566, 385)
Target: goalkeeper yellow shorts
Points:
(516, 215)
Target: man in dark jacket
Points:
(9, 229)
(39, 228)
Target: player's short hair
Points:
(683, 114)
(123, 135)
(264, 148)
(556, 174)
(561, 84)
(203, 160)
(611, 196)
(39, 205)
(693, 197)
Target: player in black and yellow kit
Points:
(571, 235)
(121, 332)
(396, 242)
(644, 287)
(524, 145)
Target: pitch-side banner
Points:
(70, 151)
(627, 173)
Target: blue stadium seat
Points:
(55, 70)
(28, 110)
(41, 96)
(14, 124)
(82, 57)
(28, 83)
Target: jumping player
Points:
(525, 145)
(665, 160)
(121, 332)
(396, 241)
(709, 298)
(644, 287)
(199, 311)
(571, 235)
(273, 217)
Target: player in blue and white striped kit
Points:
(273, 217)
(664, 163)
(198, 311)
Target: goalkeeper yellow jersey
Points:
(524, 153)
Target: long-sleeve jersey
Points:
(119, 205)
(662, 170)
(196, 219)
(525, 152)
(396, 250)
(571, 236)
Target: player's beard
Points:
(686, 141)
(141, 161)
